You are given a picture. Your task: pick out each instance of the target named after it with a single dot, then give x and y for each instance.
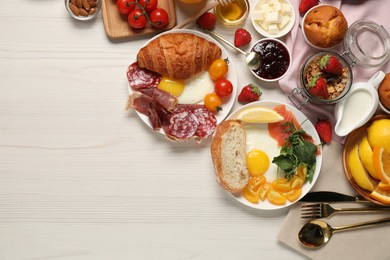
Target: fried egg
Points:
(257, 138)
(189, 91)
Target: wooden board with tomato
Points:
(117, 26)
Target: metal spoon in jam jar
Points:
(252, 59)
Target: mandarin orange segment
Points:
(381, 160)
(381, 195)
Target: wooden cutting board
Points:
(117, 27)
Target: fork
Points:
(325, 210)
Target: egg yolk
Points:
(172, 86)
(257, 162)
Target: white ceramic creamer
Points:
(358, 106)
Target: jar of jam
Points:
(366, 44)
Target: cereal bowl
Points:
(83, 10)
(275, 57)
(273, 19)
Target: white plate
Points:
(274, 151)
(231, 76)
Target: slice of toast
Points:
(228, 152)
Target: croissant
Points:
(178, 55)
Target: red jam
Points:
(275, 59)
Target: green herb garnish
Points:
(296, 151)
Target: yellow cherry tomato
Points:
(293, 195)
(275, 197)
(263, 190)
(281, 184)
(218, 69)
(250, 195)
(296, 182)
(212, 102)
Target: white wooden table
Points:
(80, 178)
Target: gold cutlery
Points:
(317, 233)
(325, 210)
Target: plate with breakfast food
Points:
(182, 84)
(267, 155)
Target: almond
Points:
(86, 5)
(83, 12)
(74, 9)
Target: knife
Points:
(330, 196)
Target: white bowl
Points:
(83, 18)
(286, 29)
(272, 59)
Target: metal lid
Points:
(367, 44)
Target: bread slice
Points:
(228, 149)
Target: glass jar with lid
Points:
(366, 44)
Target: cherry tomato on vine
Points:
(125, 6)
(212, 102)
(218, 69)
(148, 5)
(223, 88)
(137, 19)
(159, 17)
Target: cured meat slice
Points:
(207, 122)
(142, 78)
(182, 124)
(145, 105)
(163, 98)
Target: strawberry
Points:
(249, 93)
(305, 5)
(242, 37)
(331, 64)
(317, 87)
(324, 130)
(207, 21)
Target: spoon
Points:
(252, 59)
(317, 233)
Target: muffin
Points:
(325, 26)
(384, 92)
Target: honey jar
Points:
(233, 14)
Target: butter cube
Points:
(263, 25)
(286, 9)
(273, 2)
(267, 8)
(277, 7)
(285, 19)
(258, 16)
(273, 29)
(272, 17)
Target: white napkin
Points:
(364, 243)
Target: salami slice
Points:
(182, 124)
(142, 78)
(207, 122)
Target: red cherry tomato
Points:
(159, 17)
(223, 88)
(148, 5)
(125, 6)
(137, 19)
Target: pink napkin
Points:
(353, 10)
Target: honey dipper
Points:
(205, 9)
